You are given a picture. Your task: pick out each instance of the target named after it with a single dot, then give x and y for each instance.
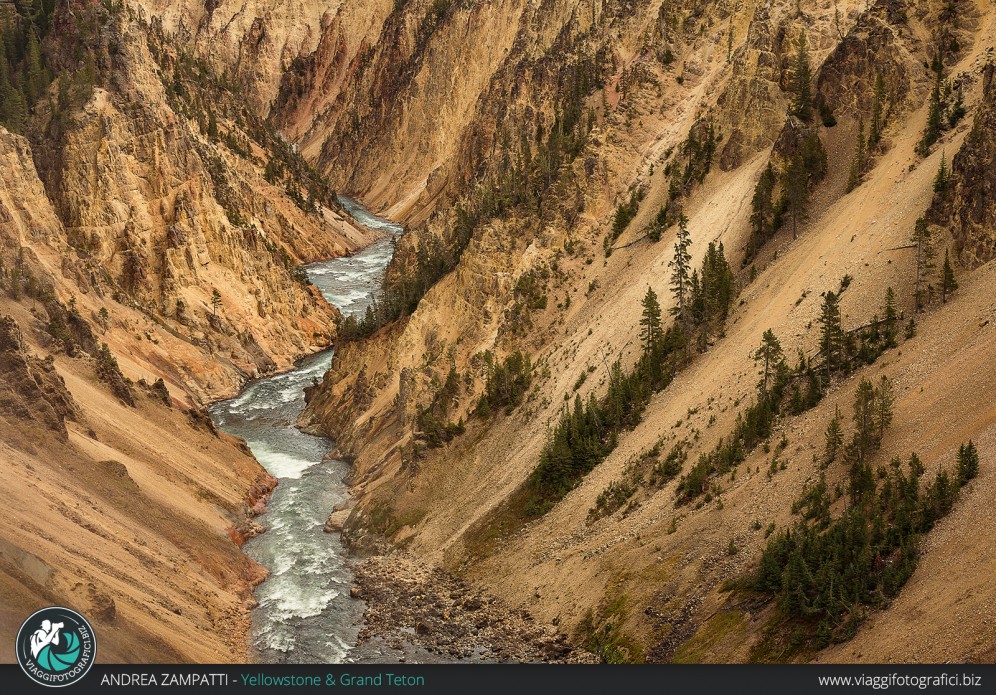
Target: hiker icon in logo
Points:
(56, 646)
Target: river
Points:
(305, 612)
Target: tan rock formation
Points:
(664, 563)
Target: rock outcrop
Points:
(967, 206)
(136, 207)
(31, 390)
(560, 276)
(152, 228)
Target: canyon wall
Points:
(152, 226)
(558, 278)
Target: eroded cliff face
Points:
(113, 494)
(967, 206)
(558, 279)
(658, 76)
(151, 232)
(156, 209)
(127, 513)
(253, 43)
(392, 108)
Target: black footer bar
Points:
(523, 679)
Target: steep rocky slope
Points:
(965, 207)
(151, 232)
(253, 43)
(153, 214)
(562, 279)
(109, 508)
(158, 185)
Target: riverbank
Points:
(319, 603)
(411, 606)
(304, 613)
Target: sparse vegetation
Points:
(506, 383)
(587, 431)
(827, 572)
(804, 166)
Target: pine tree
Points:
(948, 282)
(803, 106)
(864, 417)
(216, 301)
(884, 401)
(796, 186)
(932, 131)
(831, 333)
(941, 178)
(769, 358)
(35, 78)
(104, 319)
(13, 109)
(762, 212)
(957, 110)
(797, 581)
(877, 119)
(712, 299)
(834, 439)
(652, 332)
(680, 274)
(212, 126)
(890, 316)
(924, 259)
(858, 163)
(659, 224)
(910, 331)
(968, 462)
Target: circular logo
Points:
(56, 646)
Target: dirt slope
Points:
(664, 565)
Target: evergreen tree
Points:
(877, 118)
(957, 110)
(884, 401)
(924, 260)
(212, 126)
(932, 130)
(948, 282)
(13, 109)
(834, 439)
(769, 359)
(831, 333)
(216, 301)
(797, 582)
(910, 331)
(803, 106)
(680, 273)
(941, 178)
(35, 75)
(858, 163)
(968, 462)
(865, 414)
(659, 224)
(717, 286)
(890, 316)
(104, 318)
(762, 218)
(652, 332)
(796, 189)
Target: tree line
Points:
(528, 166)
(784, 390)
(587, 431)
(825, 572)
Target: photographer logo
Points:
(56, 646)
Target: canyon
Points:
(168, 185)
